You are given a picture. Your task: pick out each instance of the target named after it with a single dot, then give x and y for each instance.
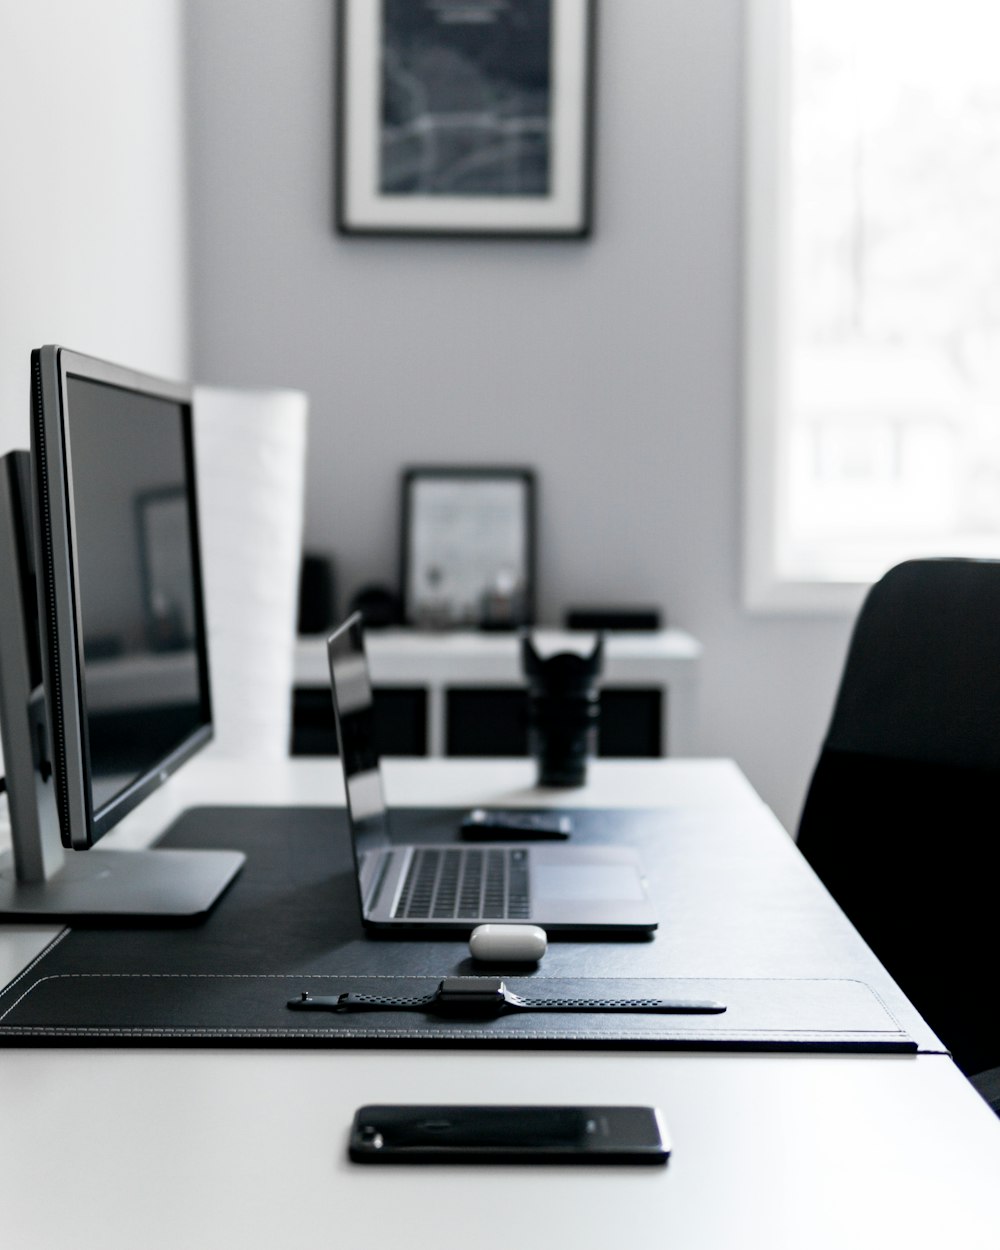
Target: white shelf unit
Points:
(665, 660)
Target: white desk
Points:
(169, 1148)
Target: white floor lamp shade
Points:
(250, 447)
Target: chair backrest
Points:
(901, 818)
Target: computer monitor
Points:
(104, 518)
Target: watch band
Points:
(661, 1005)
(489, 996)
(372, 1002)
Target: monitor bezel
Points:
(80, 824)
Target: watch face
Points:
(488, 989)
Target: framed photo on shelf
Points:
(468, 547)
(465, 117)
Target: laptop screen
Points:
(350, 683)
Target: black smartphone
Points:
(497, 1134)
(484, 825)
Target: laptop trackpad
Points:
(586, 882)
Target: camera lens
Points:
(372, 1137)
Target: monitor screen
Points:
(123, 619)
(144, 681)
(353, 706)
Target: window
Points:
(872, 291)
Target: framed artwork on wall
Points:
(468, 547)
(465, 118)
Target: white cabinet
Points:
(462, 693)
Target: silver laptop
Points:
(412, 888)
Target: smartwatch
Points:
(463, 997)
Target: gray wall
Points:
(611, 365)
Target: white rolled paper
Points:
(250, 448)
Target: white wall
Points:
(93, 193)
(611, 365)
(93, 235)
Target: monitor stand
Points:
(38, 880)
(121, 885)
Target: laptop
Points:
(409, 889)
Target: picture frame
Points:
(470, 119)
(467, 547)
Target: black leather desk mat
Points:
(290, 922)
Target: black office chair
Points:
(902, 817)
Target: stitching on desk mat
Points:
(34, 963)
(37, 1030)
(877, 996)
(405, 976)
(387, 976)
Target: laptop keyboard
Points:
(465, 884)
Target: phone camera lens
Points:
(372, 1137)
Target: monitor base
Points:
(118, 885)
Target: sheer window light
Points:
(873, 291)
